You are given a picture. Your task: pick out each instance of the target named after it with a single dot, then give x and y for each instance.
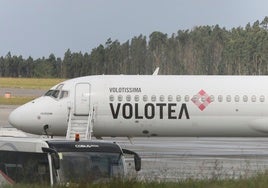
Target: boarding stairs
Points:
(82, 125)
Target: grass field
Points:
(25, 83)
(29, 83)
(260, 181)
(15, 100)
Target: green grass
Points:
(260, 181)
(29, 83)
(15, 100)
(25, 83)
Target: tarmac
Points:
(22, 92)
(175, 159)
(6, 109)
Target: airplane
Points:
(151, 106)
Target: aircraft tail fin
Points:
(156, 71)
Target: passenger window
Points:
(245, 98)
(186, 98)
(236, 98)
(262, 98)
(203, 98)
(162, 98)
(195, 97)
(220, 98)
(136, 98)
(170, 98)
(153, 98)
(128, 98)
(145, 98)
(111, 98)
(212, 98)
(253, 98)
(228, 98)
(178, 98)
(120, 97)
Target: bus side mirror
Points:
(137, 158)
(54, 155)
(137, 161)
(56, 160)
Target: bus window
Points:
(61, 161)
(25, 167)
(90, 166)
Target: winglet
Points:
(156, 71)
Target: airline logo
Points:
(145, 110)
(150, 111)
(201, 100)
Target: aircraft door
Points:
(82, 99)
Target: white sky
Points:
(38, 28)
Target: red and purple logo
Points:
(201, 99)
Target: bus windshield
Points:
(89, 166)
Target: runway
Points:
(200, 158)
(5, 110)
(22, 92)
(175, 159)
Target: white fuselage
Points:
(153, 106)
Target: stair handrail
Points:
(69, 123)
(90, 124)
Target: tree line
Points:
(206, 50)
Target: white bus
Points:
(40, 161)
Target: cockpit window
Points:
(57, 93)
(59, 87)
(53, 93)
(64, 94)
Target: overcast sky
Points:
(38, 28)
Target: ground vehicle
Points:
(30, 160)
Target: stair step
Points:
(77, 121)
(79, 125)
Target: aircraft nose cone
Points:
(23, 118)
(15, 118)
